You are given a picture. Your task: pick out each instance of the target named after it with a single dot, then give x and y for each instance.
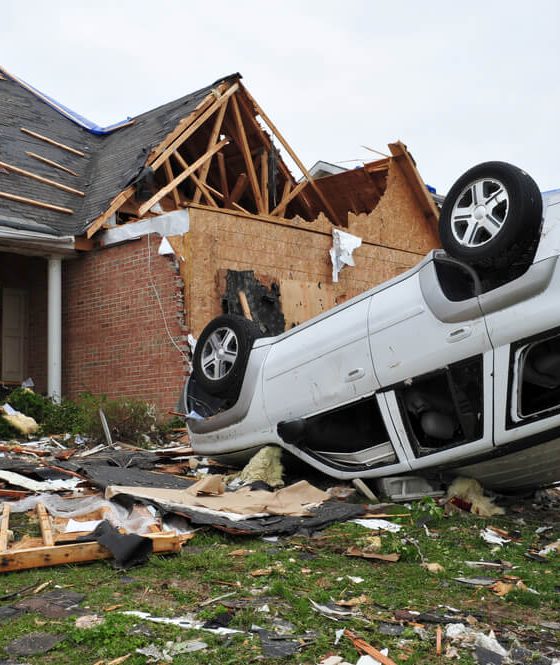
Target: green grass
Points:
(302, 568)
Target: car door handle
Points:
(459, 334)
(355, 374)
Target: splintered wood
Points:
(53, 550)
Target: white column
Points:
(54, 367)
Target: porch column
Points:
(54, 363)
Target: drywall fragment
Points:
(38, 486)
(344, 245)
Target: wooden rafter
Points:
(160, 158)
(52, 163)
(36, 203)
(4, 523)
(169, 176)
(223, 174)
(287, 197)
(181, 177)
(214, 135)
(245, 150)
(264, 179)
(237, 191)
(39, 178)
(116, 203)
(46, 139)
(201, 186)
(293, 155)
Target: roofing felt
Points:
(110, 162)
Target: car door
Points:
(321, 365)
(433, 358)
(524, 327)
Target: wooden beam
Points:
(287, 197)
(223, 174)
(237, 191)
(201, 187)
(211, 141)
(52, 163)
(169, 176)
(46, 139)
(245, 305)
(247, 154)
(35, 202)
(83, 244)
(285, 194)
(40, 557)
(264, 180)
(39, 178)
(4, 523)
(45, 524)
(405, 161)
(191, 129)
(115, 204)
(179, 179)
(287, 147)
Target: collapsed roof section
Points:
(215, 147)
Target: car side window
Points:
(537, 378)
(444, 408)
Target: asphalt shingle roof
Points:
(110, 163)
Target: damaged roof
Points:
(70, 172)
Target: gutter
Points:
(20, 240)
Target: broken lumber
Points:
(39, 178)
(35, 202)
(46, 139)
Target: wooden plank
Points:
(46, 139)
(40, 557)
(4, 524)
(405, 161)
(52, 163)
(191, 129)
(264, 180)
(169, 176)
(211, 141)
(180, 178)
(293, 155)
(285, 194)
(223, 174)
(40, 178)
(238, 189)
(245, 305)
(286, 198)
(36, 203)
(201, 187)
(115, 204)
(181, 126)
(45, 524)
(246, 152)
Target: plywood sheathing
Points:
(398, 220)
(283, 249)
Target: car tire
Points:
(221, 354)
(491, 216)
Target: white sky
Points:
(458, 82)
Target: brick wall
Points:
(114, 337)
(30, 274)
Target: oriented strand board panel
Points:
(302, 301)
(284, 250)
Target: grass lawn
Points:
(271, 582)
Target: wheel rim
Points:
(219, 354)
(479, 214)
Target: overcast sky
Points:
(458, 82)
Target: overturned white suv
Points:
(452, 368)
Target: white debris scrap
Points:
(186, 621)
(493, 538)
(378, 525)
(341, 252)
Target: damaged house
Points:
(118, 244)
